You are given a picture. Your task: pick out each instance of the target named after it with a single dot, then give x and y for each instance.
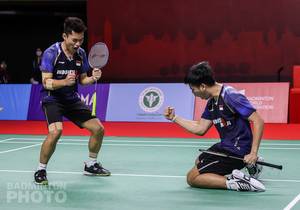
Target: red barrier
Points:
(294, 109)
(296, 76)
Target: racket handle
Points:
(270, 165)
(261, 163)
(94, 104)
(241, 159)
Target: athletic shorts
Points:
(76, 112)
(209, 163)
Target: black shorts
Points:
(76, 112)
(209, 163)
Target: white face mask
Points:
(38, 53)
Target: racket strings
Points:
(98, 55)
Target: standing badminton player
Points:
(231, 113)
(64, 64)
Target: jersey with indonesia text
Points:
(229, 114)
(56, 62)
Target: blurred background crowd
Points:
(27, 29)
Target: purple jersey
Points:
(229, 115)
(56, 62)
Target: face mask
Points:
(38, 53)
(3, 66)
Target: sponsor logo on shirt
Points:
(65, 72)
(222, 122)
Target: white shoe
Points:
(255, 170)
(246, 183)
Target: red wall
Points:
(157, 40)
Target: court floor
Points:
(147, 173)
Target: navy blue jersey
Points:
(56, 62)
(229, 114)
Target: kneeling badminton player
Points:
(231, 113)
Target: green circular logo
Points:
(151, 99)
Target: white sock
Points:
(91, 161)
(42, 166)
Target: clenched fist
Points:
(169, 113)
(97, 73)
(70, 79)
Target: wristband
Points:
(49, 84)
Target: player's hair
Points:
(200, 73)
(74, 24)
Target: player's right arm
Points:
(47, 68)
(196, 127)
(52, 84)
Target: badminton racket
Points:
(98, 57)
(238, 158)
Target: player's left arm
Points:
(244, 108)
(86, 80)
(257, 132)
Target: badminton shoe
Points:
(95, 170)
(240, 182)
(40, 177)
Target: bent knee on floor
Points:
(189, 181)
(191, 176)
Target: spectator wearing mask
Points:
(36, 77)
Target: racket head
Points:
(98, 55)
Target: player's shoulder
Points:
(54, 49)
(229, 91)
(81, 51)
(234, 96)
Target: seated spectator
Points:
(36, 75)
